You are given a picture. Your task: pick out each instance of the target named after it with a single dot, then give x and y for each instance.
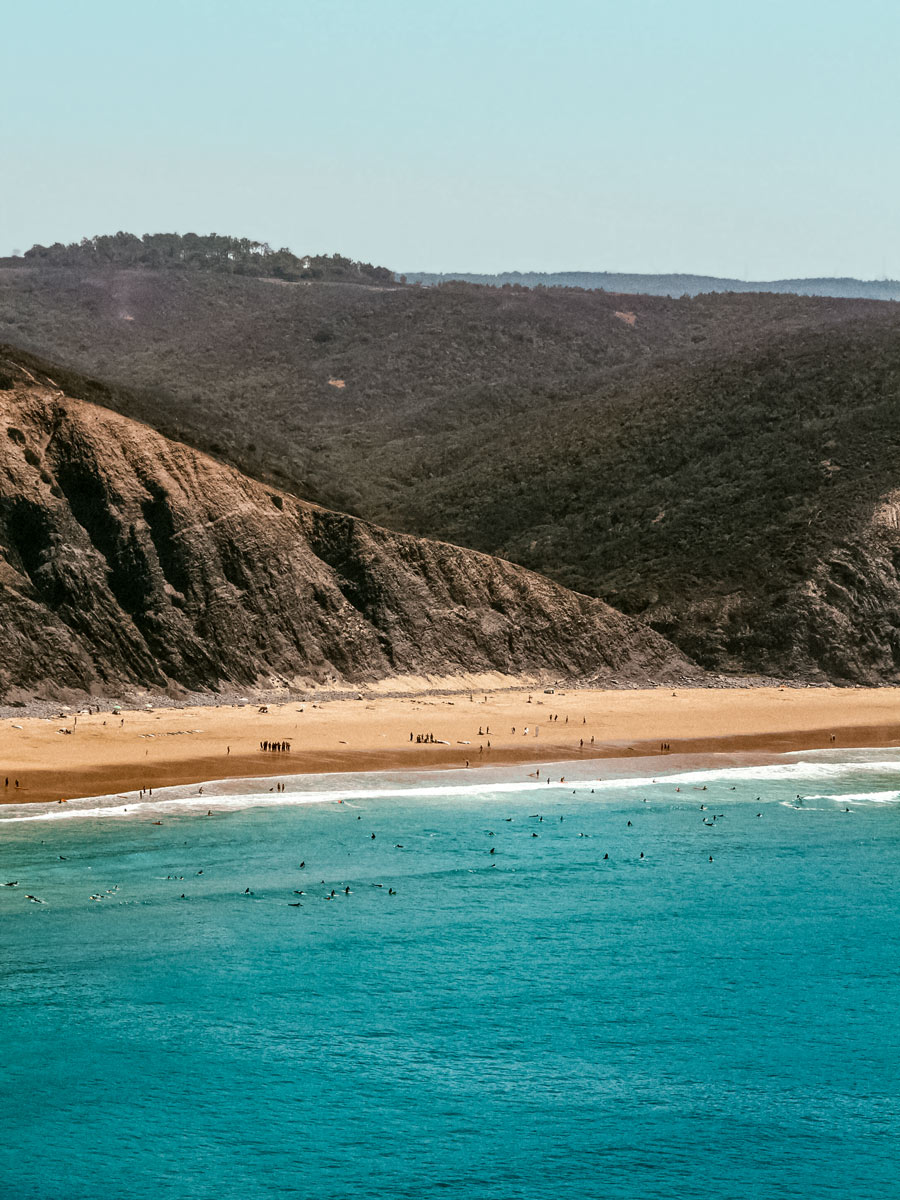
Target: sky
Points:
(746, 138)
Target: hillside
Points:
(301, 382)
(670, 285)
(200, 252)
(129, 559)
(711, 464)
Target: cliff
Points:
(126, 558)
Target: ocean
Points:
(296, 997)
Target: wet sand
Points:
(108, 753)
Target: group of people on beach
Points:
(276, 747)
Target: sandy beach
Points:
(106, 753)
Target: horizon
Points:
(748, 144)
(454, 272)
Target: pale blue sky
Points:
(757, 139)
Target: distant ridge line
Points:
(679, 284)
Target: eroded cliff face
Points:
(126, 558)
(840, 624)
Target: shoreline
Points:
(105, 753)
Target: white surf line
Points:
(165, 801)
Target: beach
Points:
(77, 754)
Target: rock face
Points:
(126, 558)
(840, 624)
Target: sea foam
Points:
(226, 794)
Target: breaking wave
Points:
(228, 794)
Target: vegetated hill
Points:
(745, 506)
(129, 559)
(199, 252)
(300, 383)
(712, 464)
(669, 285)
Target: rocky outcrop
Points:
(839, 625)
(126, 558)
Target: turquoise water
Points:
(537, 1022)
